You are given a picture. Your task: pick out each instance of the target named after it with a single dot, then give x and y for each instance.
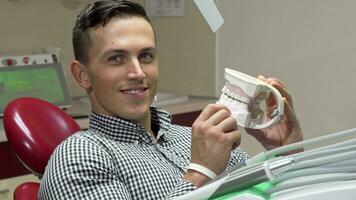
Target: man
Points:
(131, 150)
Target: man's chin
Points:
(137, 114)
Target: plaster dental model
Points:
(246, 96)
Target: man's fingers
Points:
(272, 81)
(288, 110)
(227, 125)
(210, 110)
(283, 92)
(262, 78)
(271, 100)
(276, 83)
(218, 117)
(234, 138)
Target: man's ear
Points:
(79, 73)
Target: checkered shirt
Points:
(117, 159)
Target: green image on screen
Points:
(40, 83)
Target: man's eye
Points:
(116, 59)
(146, 58)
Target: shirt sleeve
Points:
(79, 169)
(238, 157)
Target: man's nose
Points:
(135, 71)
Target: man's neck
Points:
(147, 124)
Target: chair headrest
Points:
(34, 128)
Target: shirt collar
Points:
(127, 131)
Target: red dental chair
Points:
(34, 128)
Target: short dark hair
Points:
(99, 14)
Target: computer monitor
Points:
(44, 81)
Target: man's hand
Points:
(288, 130)
(214, 135)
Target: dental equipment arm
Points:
(211, 13)
(311, 174)
(244, 96)
(303, 144)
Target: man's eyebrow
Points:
(148, 49)
(123, 51)
(117, 51)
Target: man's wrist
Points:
(198, 179)
(202, 169)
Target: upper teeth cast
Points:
(229, 93)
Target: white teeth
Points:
(233, 96)
(225, 97)
(225, 89)
(133, 91)
(244, 99)
(228, 101)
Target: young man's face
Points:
(122, 68)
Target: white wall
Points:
(186, 46)
(27, 26)
(309, 44)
